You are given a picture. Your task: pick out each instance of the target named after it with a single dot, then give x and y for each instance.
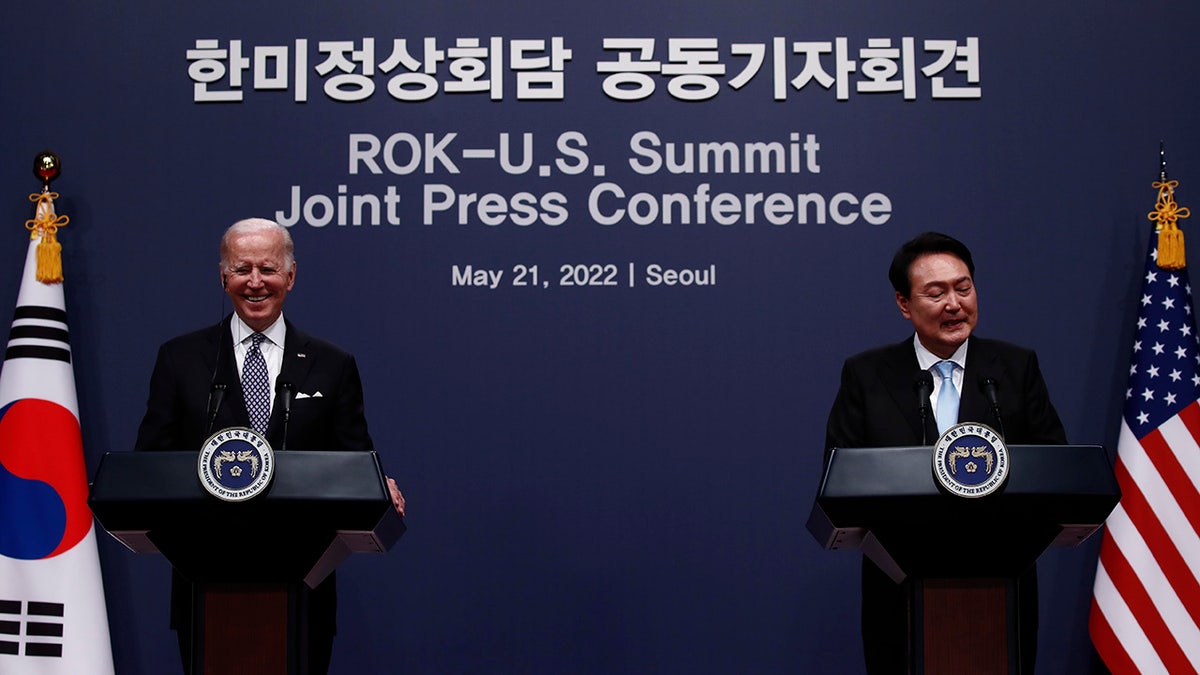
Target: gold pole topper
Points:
(44, 226)
(1166, 215)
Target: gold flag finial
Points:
(1166, 216)
(45, 223)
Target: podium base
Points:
(963, 626)
(256, 628)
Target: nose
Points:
(952, 302)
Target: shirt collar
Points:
(927, 359)
(276, 333)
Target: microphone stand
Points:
(285, 392)
(924, 386)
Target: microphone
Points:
(215, 396)
(924, 387)
(216, 390)
(989, 387)
(284, 393)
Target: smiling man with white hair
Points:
(245, 354)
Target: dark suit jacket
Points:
(188, 365)
(176, 416)
(876, 406)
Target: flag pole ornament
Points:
(45, 223)
(1166, 216)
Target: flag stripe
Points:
(1151, 604)
(42, 629)
(1141, 474)
(1178, 440)
(1171, 569)
(38, 312)
(1107, 645)
(46, 608)
(1189, 461)
(38, 332)
(42, 649)
(37, 352)
(1156, 487)
(1132, 641)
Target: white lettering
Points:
(319, 210)
(610, 204)
(651, 155)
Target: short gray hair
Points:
(257, 225)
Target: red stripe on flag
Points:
(1107, 645)
(1132, 590)
(1184, 489)
(1174, 568)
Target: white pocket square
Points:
(304, 395)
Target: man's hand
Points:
(397, 497)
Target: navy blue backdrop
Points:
(602, 478)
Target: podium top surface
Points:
(301, 475)
(310, 491)
(1053, 495)
(894, 489)
(1046, 470)
(154, 501)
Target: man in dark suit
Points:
(196, 371)
(876, 406)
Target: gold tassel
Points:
(1170, 249)
(49, 259)
(44, 227)
(1171, 254)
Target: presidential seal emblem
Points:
(970, 460)
(236, 464)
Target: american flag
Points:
(1145, 615)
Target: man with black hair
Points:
(933, 276)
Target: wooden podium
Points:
(251, 563)
(963, 556)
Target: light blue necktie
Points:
(255, 387)
(947, 401)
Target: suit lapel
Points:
(899, 376)
(294, 370)
(226, 372)
(982, 363)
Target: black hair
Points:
(924, 244)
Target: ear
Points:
(902, 303)
(292, 276)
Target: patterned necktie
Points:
(947, 401)
(255, 387)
